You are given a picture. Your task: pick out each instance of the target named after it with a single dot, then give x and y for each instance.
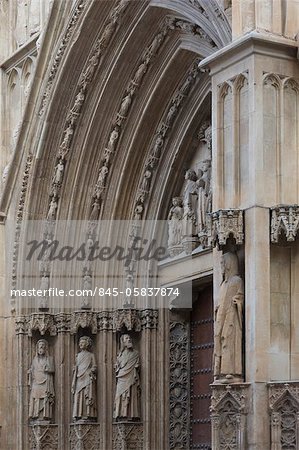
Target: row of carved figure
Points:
(188, 215)
(41, 381)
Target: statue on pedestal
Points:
(229, 323)
(41, 374)
(84, 383)
(127, 397)
(175, 226)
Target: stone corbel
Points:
(226, 223)
(229, 407)
(284, 221)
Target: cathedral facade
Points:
(149, 216)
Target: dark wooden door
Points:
(201, 369)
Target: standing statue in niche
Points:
(127, 397)
(189, 201)
(41, 374)
(204, 196)
(175, 226)
(84, 383)
(229, 323)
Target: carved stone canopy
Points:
(284, 221)
(226, 223)
(97, 321)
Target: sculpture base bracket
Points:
(127, 435)
(43, 436)
(229, 406)
(85, 436)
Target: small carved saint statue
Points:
(84, 383)
(229, 323)
(127, 397)
(175, 216)
(41, 374)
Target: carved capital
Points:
(85, 436)
(43, 437)
(62, 321)
(227, 223)
(127, 435)
(284, 221)
(149, 318)
(21, 325)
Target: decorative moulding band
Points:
(97, 321)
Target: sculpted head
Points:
(85, 343)
(42, 347)
(126, 341)
(229, 264)
(177, 201)
(190, 175)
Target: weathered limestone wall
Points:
(255, 150)
(275, 16)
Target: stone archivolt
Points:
(53, 324)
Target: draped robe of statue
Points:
(42, 388)
(229, 322)
(127, 397)
(84, 386)
(175, 223)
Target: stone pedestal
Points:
(43, 436)
(85, 436)
(127, 435)
(228, 415)
(284, 410)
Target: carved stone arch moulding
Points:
(224, 90)
(73, 23)
(240, 81)
(272, 79)
(284, 410)
(291, 83)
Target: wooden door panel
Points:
(201, 349)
